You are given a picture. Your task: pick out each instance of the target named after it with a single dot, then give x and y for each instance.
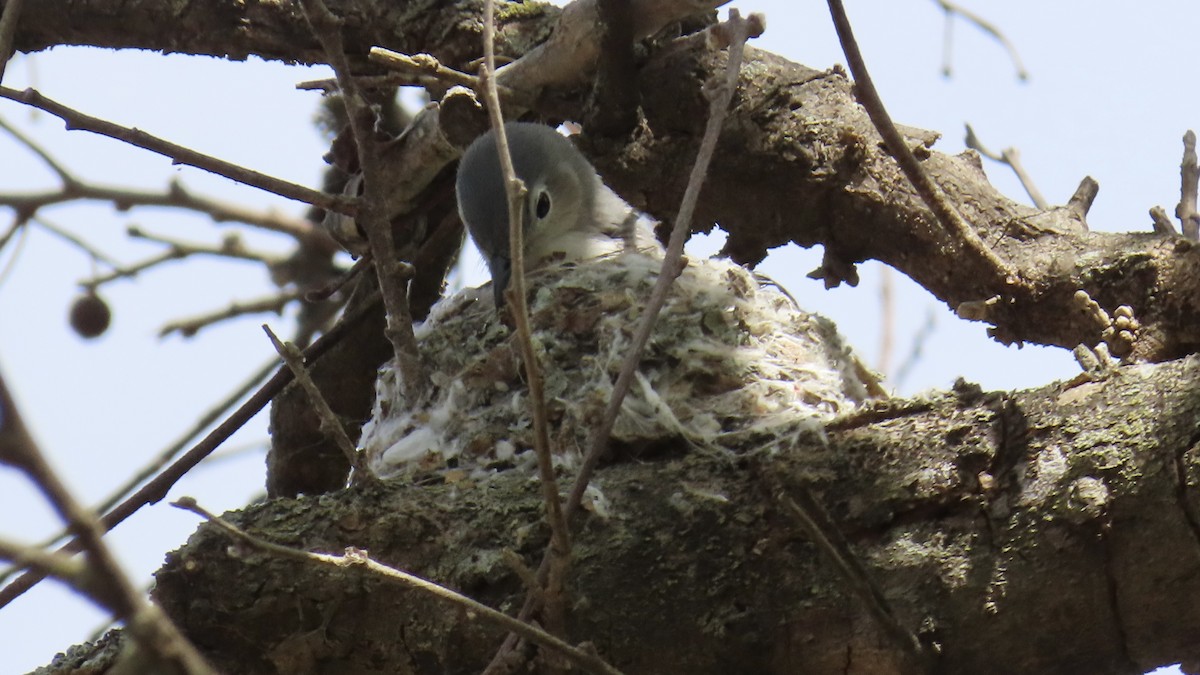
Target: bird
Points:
(569, 213)
(733, 365)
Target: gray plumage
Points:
(569, 213)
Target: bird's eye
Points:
(543, 205)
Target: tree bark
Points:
(799, 162)
(1051, 530)
(1055, 530)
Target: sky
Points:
(1107, 97)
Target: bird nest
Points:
(732, 365)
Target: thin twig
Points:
(673, 263)
(231, 247)
(68, 236)
(393, 274)
(427, 68)
(953, 8)
(1189, 174)
(175, 195)
(157, 488)
(36, 148)
(179, 154)
(330, 424)
(132, 270)
(551, 594)
(65, 568)
(887, 321)
(167, 454)
(1012, 158)
(8, 30)
(915, 350)
(19, 229)
(560, 541)
(271, 304)
(954, 224)
(425, 64)
(108, 585)
(825, 533)
(673, 260)
(358, 558)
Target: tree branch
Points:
(954, 224)
(358, 558)
(392, 274)
(8, 29)
(157, 488)
(551, 592)
(101, 578)
(179, 154)
(958, 535)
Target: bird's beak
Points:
(501, 268)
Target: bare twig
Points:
(560, 541)
(1161, 222)
(673, 263)
(62, 567)
(231, 247)
(157, 488)
(329, 85)
(951, 9)
(825, 533)
(392, 273)
(424, 64)
(106, 584)
(174, 449)
(887, 320)
(167, 454)
(175, 195)
(516, 292)
(20, 230)
(272, 304)
(179, 154)
(355, 557)
(428, 69)
(37, 149)
(1189, 174)
(1081, 201)
(68, 236)
(953, 223)
(915, 350)
(132, 270)
(330, 424)
(1012, 158)
(8, 29)
(673, 260)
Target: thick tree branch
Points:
(966, 241)
(978, 515)
(804, 166)
(359, 558)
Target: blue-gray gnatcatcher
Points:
(569, 214)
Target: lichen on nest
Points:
(731, 365)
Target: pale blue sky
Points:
(1108, 97)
